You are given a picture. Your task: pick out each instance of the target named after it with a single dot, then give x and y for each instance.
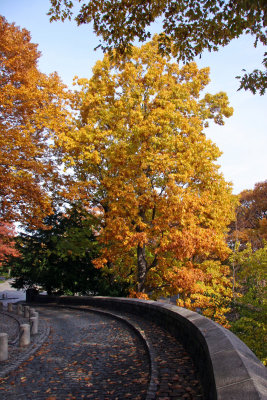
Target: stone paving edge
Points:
(152, 387)
(223, 361)
(17, 320)
(38, 341)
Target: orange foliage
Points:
(251, 217)
(32, 115)
(206, 288)
(138, 295)
(139, 153)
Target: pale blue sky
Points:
(69, 50)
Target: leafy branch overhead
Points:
(189, 26)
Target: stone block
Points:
(24, 335)
(3, 346)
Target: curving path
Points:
(174, 375)
(94, 356)
(87, 356)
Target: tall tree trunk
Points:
(141, 267)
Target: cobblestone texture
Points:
(93, 356)
(87, 356)
(16, 355)
(9, 325)
(176, 375)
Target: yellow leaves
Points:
(95, 158)
(205, 287)
(216, 107)
(139, 151)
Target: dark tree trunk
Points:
(141, 267)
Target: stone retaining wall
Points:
(228, 368)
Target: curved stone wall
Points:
(228, 368)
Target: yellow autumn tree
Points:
(32, 113)
(140, 156)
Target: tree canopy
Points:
(247, 238)
(251, 305)
(189, 26)
(251, 218)
(32, 113)
(149, 207)
(140, 156)
(7, 242)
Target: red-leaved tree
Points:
(7, 242)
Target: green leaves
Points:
(252, 332)
(58, 257)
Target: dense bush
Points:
(253, 333)
(58, 258)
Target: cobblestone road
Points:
(93, 356)
(87, 356)
(177, 376)
(9, 325)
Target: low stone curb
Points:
(18, 355)
(152, 387)
(228, 369)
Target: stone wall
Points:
(227, 367)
